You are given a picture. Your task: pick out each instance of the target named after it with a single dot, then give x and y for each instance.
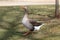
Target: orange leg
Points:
(27, 33)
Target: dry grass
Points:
(12, 29)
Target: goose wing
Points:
(34, 22)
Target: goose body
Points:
(31, 24)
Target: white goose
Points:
(30, 24)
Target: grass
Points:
(11, 27)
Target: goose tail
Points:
(38, 27)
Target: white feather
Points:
(38, 27)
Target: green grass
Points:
(11, 27)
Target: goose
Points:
(30, 24)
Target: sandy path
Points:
(14, 2)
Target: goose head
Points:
(25, 8)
